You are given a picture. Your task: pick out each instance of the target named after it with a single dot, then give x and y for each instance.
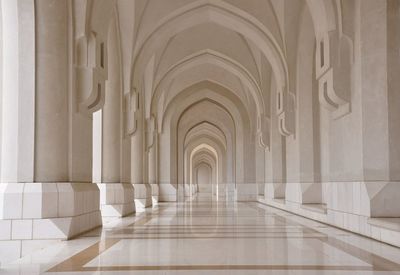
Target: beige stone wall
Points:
(290, 103)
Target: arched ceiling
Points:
(207, 26)
(207, 69)
(240, 45)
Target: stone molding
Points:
(116, 199)
(34, 211)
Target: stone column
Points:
(17, 112)
(276, 189)
(142, 190)
(153, 161)
(42, 196)
(260, 167)
(380, 42)
(116, 197)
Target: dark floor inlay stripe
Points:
(229, 267)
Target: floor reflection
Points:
(220, 236)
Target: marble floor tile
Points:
(210, 237)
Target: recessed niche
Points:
(322, 59)
(102, 55)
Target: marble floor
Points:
(210, 237)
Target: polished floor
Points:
(209, 237)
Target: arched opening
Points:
(203, 181)
(204, 154)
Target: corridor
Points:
(210, 237)
(121, 120)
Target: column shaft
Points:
(142, 190)
(116, 196)
(38, 194)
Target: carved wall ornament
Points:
(131, 102)
(91, 73)
(334, 59)
(263, 126)
(151, 128)
(285, 106)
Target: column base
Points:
(229, 191)
(33, 214)
(365, 208)
(155, 193)
(167, 192)
(116, 199)
(304, 192)
(246, 192)
(275, 190)
(143, 196)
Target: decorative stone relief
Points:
(150, 131)
(334, 58)
(263, 131)
(91, 73)
(285, 106)
(131, 108)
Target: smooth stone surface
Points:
(213, 237)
